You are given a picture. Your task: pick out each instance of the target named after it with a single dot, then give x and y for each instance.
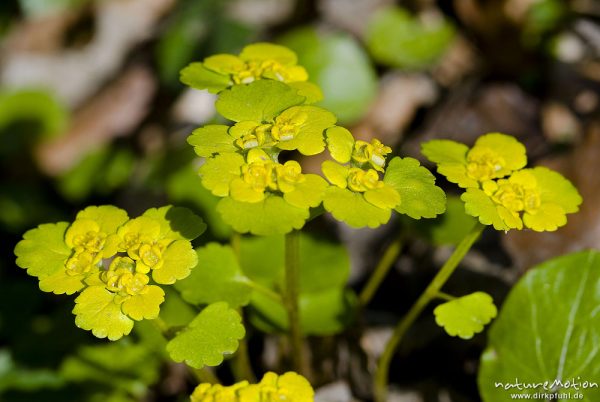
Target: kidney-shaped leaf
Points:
(214, 333)
(547, 333)
(467, 315)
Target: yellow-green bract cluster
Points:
(114, 262)
(264, 193)
(289, 387)
(500, 191)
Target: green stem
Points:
(444, 296)
(205, 375)
(381, 270)
(240, 364)
(381, 376)
(290, 297)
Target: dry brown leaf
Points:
(114, 112)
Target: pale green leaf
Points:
(107, 216)
(510, 150)
(197, 76)
(419, 196)
(213, 334)
(340, 144)
(310, 91)
(555, 189)
(259, 101)
(397, 39)
(353, 209)
(268, 51)
(445, 152)
(271, 216)
(383, 197)
(479, 205)
(62, 283)
(211, 139)
(144, 305)
(309, 139)
(548, 329)
(217, 277)
(307, 194)
(96, 310)
(43, 251)
(467, 315)
(218, 172)
(178, 260)
(177, 223)
(336, 174)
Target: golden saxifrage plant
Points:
(118, 266)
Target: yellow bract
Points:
(360, 180)
(289, 387)
(373, 153)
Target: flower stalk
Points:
(291, 294)
(431, 292)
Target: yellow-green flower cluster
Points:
(355, 176)
(500, 191)
(114, 262)
(289, 387)
(258, 61)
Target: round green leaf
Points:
(96, 310)
(352, 208)
(259, 101)
(217, 277)
(419, 196)
(178, 260)
(218, 172)
(479, 205)
(214, 333)
(197, 76)
(339, 66)
(271, 216)
(309, 139)
(340, 144)
(107, 216)
(547, 331)
(467, 315)
(396, 38)
(43, 251)
(211, 139)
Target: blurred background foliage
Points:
(92, 112)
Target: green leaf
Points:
(307, 194)
(210, 140)
(107, 216)
(177, 223)
(310, 91)
(352, 208)
(259, 101)
(340, 144)
(213, 334)
(445, 152)
(96, 310)
(43, 251)
(555, 189)
(466, 315)
(144, 305)
(339, 66)
(271, 216)
(197, 76)
(547, 330)
(178, 260)
(419, 196)
(217, 277)
(218, 172)
(479, 205)
(309, 139)
(321, 313)
(396, 38)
